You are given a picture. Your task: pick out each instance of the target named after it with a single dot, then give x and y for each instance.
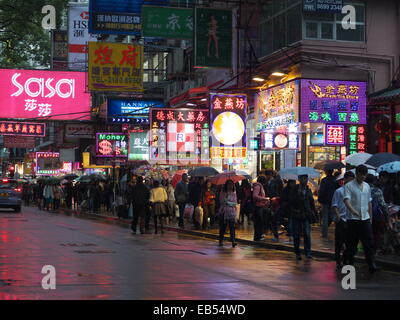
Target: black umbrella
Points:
(203, 172)
(329, 165)
(70, 176)
(381, 158)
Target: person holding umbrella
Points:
(227, 212)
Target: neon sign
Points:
(335, 135)
(111, 144)
(29, 129)
(357, 139)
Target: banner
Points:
(139, 145)
(213, 38)
(78, 37)
(28, 129)
(120, 17)
(171, 23)
(333, 101)
(115, 67)
(179, 136)
(59, 40)
(228, 126)
(40, 94)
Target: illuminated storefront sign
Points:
(317, 139)
(278, 106)
(130, 111)
(228, 118)
(139, 145)
(279, 140)
(48, 163)
(52, 95)
(179, 136)
(332, 101)
(111, 144)
(357, 139)
(22, 129)
(335, 135)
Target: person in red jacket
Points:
(261, 202)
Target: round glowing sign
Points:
(228, 128)
(281, 141)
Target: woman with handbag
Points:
(158, 199)
(227, 212)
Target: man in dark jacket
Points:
(140, 199)
(181, 194)
(325, 194)
(302, 210)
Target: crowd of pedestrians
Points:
(357, 204)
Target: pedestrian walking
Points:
(182, 196)
(326, 190)
(169, 189)
(340, 210)
(158, 199)
(140, 197)
(357, 198)
(260, 204)
(48, 196)
(227, 212)
(195, 190)
(246, 201)
(379, 213)
(208, 203)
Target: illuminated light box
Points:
(111, 144)
(29, 129)
(356, 139)
(335, 135)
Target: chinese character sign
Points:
(277, 106)
(335, 135)
(213, 38)
(111, 145)
(48, 163)
(228, 122)
(179, 136)
(22, 129)
(279, 140)
(51, 95)
(163, 22)
(331, 101)
(115, 67)
(139, 145)
(356, 139)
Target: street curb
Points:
(392, 266)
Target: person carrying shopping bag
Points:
(227, 212)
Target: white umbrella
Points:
(295, 172)
(356, 159)
(391, 167)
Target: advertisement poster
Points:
(228, 125)
(332, 101)
(121, 17)
(78, 37)
(130, 110)
(39, 94)
(139, 145)
(213, 38)
(59, 51)
(179, 136)
(169, 23)
(115, 67)
(48, 163)
(111, 145)
(277, 106)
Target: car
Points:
(10, 194)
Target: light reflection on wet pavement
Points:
(96, 260)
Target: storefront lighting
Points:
(278, 74)
(258, 79)
(191, 104)
(204, 99)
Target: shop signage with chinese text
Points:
(228, 124)
(59, 58)
(16, 128)
(356, 139)
(51, 95)
(78, 130)
(165, 22)
(335, 134)
(19, 142)
(279, 140)
(111, 145)
(278, 106)
(333, 101)
(48, 163)
(139, 145)
(179, 136)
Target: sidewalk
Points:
(321, 248)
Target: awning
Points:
(386, 95)
(191, 94)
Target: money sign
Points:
(105, 147)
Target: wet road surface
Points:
(99, 260)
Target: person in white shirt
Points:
(340, 210)
(357, 198)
